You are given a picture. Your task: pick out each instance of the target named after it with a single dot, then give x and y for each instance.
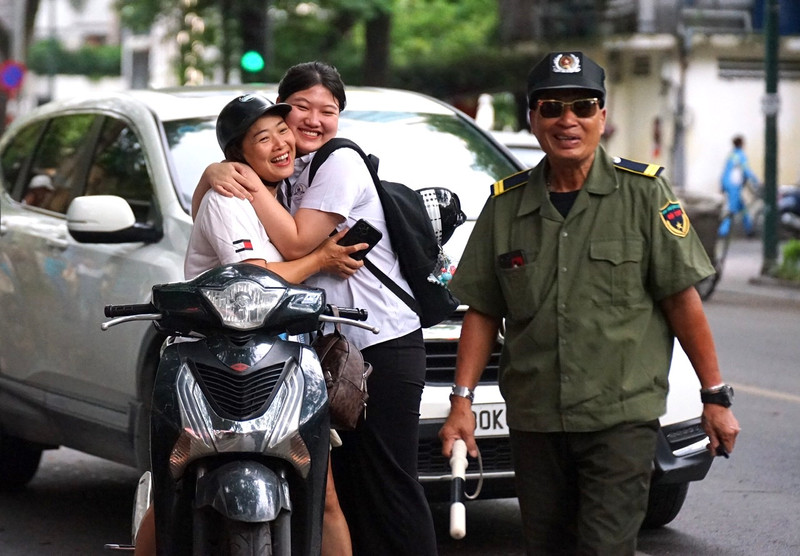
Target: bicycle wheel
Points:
(706, 286)
(754, 207)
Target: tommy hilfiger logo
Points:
(243, 245)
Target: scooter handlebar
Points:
(114, 311)
(350, 313)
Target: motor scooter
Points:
(240, 428)
(789, 211)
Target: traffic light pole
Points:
(254, 30)
(770, 107)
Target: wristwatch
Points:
(720, 395)
(463, 392)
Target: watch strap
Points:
(463, 392)
(719, 395)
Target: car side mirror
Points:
(107, 219)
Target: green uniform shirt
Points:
(586, 346)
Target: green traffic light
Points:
(252, 61)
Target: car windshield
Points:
(419, 150)
(193, 145)
(427, 150)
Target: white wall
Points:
(71, 26)
(716, 110)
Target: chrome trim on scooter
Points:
(300, 395)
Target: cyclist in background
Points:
(735, 176)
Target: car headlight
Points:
(243, 304)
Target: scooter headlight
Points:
(243, 304)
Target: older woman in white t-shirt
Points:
(252, 131)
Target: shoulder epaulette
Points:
(509, 183)
(641, 168)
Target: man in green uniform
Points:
(591, 261)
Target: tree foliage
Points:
(49, 57)
(441, 47)
(366, 39)
(441, 29)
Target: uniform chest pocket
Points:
(521, 286)
(616, 271)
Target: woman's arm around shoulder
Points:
(231, 179)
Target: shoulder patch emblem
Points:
(674, 218)
(509, 183)
(641, 168)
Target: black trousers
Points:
(375, 469)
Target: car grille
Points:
(495, 453)
(441, 367)
(235, 395)
(441, 357)
(441, 363)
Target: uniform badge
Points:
(566, 63)
(674, 218)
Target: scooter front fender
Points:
(244, 491)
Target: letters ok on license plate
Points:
(490, 419)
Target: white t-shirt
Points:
(226, 230)
(343, 186)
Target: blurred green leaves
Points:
(441, 29)
(440, 47)
(48, 57)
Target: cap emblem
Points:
(566, 63)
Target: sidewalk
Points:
(742, 274)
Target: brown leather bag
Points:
(346, 375)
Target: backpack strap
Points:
(372, 165)
(404, 296)
(336, 143)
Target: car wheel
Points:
(19, 460)
(664, 504)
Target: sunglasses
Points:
(582, 107)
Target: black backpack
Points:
(413, 238)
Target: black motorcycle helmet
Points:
(240, 113)
(444, 210)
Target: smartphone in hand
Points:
(361, 232)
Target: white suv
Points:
(64, 382)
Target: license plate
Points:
(490, 419)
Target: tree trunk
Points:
(226, 38)
(518, 21)
(376, 57)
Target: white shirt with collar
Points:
(344, 186)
